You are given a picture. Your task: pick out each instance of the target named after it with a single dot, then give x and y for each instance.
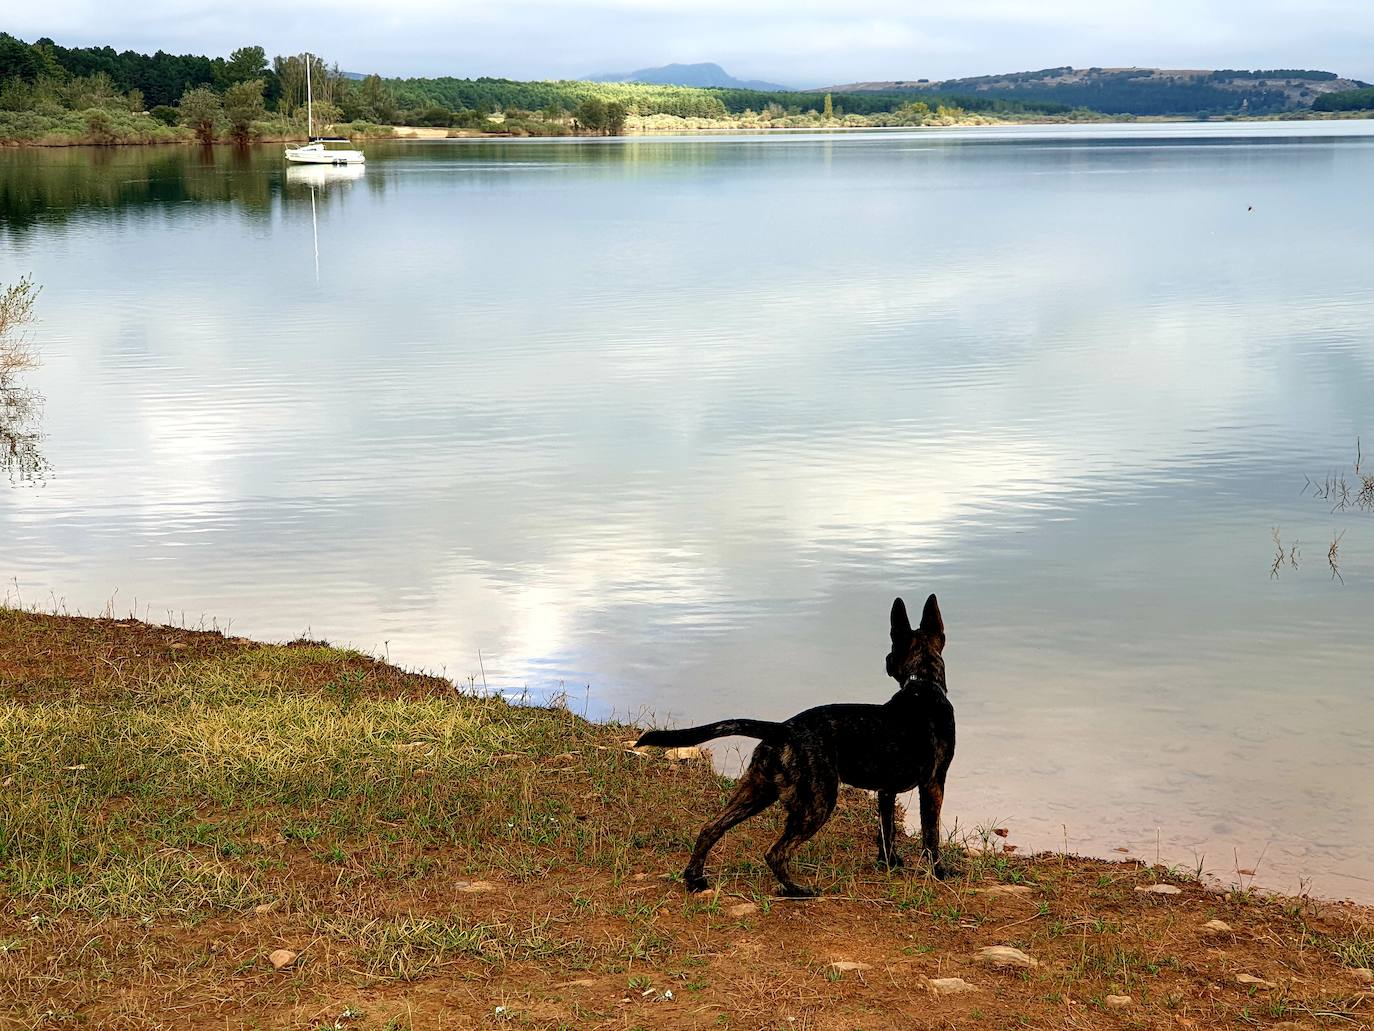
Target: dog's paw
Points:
(797, 891)
(892, 862)
(941, 872)
(694, 885)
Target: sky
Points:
(793, 42)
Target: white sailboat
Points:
(315, 152)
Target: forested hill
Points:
(486, 94)
(1138, 91)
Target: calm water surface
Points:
(668, 423)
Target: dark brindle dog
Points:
(905, 743)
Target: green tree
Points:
(829, 111)
(242, 107)
(376, 101)
(616, 114)
(202, 111)
(591, 114)
(244, 65)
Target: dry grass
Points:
(176, 805)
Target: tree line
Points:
(1346, 100)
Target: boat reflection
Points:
(322, 177)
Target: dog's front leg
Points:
(932, 797)
(887, 830)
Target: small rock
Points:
(682, 755)
(1363, 974)
(640, 877)
(1004, 889)
(950, 986)
(267, 907)
(474, 886)
(1160, 889)
(1118, 1002)
(743, 909)
(1258, 982)
(1217, 926)
(846, 965)
(1005, 956)
(281, 959)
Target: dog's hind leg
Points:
(809, 804)
(754, 793)
(887, 829)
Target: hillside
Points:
(705, 74)
(1139, 91)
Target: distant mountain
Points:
(1138, 91)
(705, 74)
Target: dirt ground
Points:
(177, 807)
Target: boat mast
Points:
(309, 104)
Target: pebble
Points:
(682, 755)
(474, 886)
(950, 986)
(281, 959)
(1160, 889)
(1363, 974)
(1219, 926)
(846, 965)
(1119, 1002)
(743, 909)
(1258, 982)
(1006, 956)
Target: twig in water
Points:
(1333, 555)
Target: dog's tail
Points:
(696, 735)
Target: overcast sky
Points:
(795, 42)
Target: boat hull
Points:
(325, 157)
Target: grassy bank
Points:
(175, 807)
(101, 127)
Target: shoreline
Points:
(401, 133)
(180, 807)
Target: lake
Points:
(665, 424)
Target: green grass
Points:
(158, 797)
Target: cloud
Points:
(807, 42)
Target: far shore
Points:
(294, 835)
(662, 126)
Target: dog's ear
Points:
(932, 624)
(901, 625)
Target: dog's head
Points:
(915, 652)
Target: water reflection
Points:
(678, 419)
(321, 179)
(21, 454)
